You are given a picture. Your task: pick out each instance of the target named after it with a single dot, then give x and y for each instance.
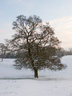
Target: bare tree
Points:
(35, 44)
(2, 50)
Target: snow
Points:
(35, 88)
(21, 82)
(7, 70)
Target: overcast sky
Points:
(57, 12)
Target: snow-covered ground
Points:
(35, 88)
(21, 82)
(7, 70)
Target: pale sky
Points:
(63, 30)
(57, 12)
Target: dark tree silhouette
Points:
(35, 44)
(3, 49)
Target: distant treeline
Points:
(8, 55)
(61, 52)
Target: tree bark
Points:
(35, 73)
(32, 61)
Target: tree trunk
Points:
(36, 73)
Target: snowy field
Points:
(21, 82)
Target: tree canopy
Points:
(35, 44)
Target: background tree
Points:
(35, 44)
(3, 49)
